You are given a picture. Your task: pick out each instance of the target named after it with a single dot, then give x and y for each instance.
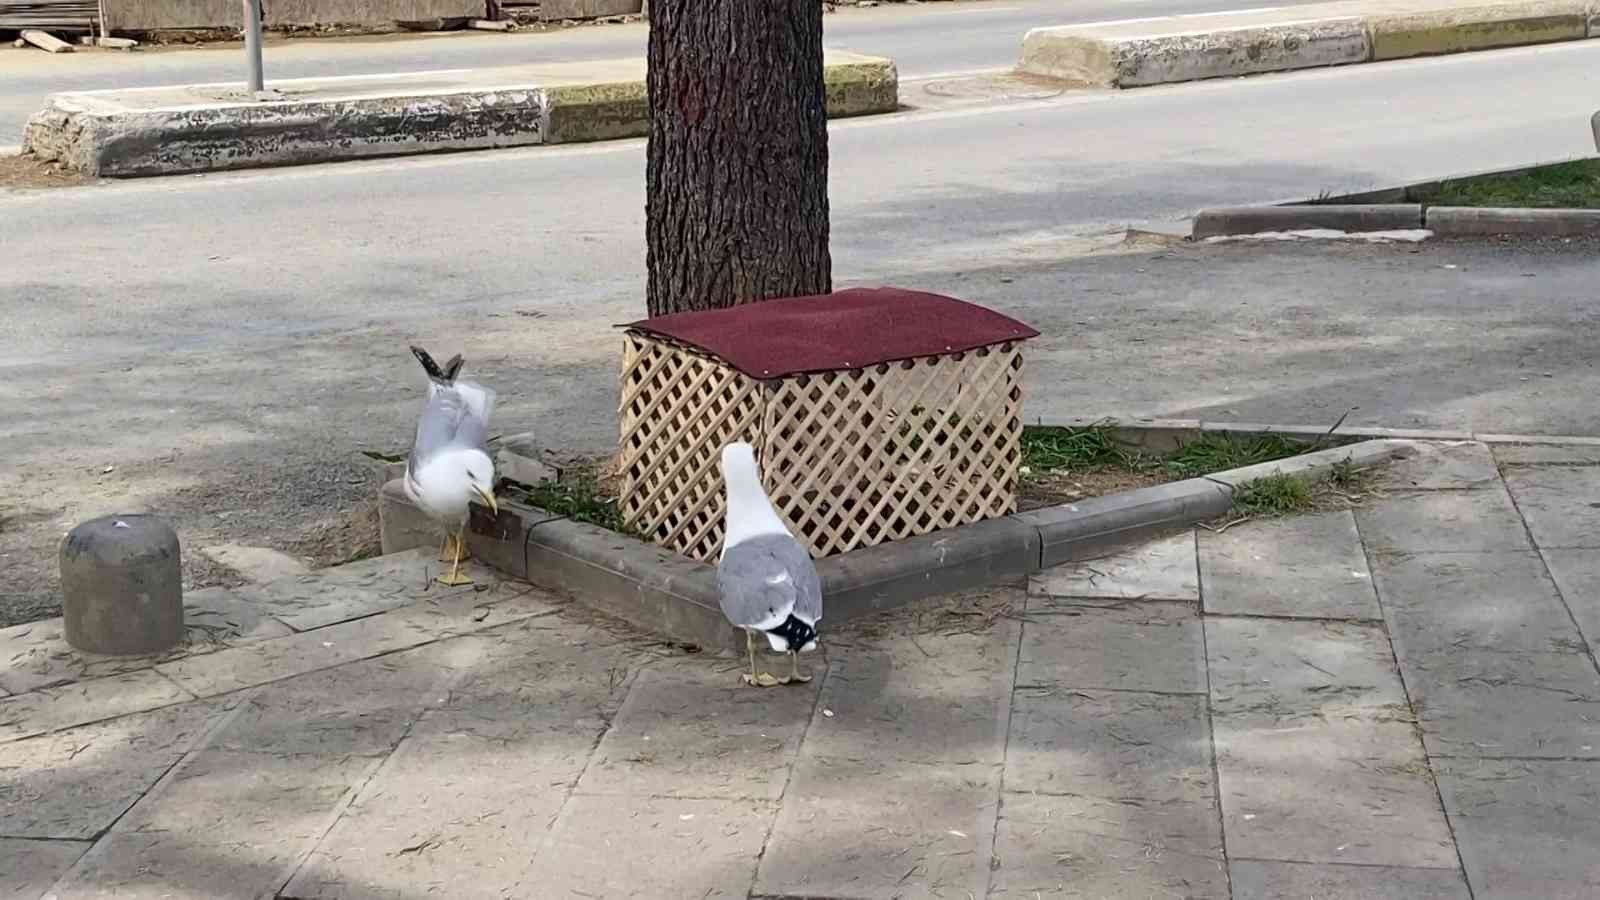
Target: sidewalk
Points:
(1345, 704)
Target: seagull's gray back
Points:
(455, 417)
(748, 598)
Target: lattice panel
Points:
(679, 407)
(853, 459)
(850, 458)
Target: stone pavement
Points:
(1397, 701)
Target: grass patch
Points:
(580, 494)
(1573, 185)
(1063, 465)
(1221, 452)
(1048, 448)
(1275, 495)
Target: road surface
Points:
(922, 39)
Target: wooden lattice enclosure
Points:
(852, 456)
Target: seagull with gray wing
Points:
(449, 465)
(768, 583)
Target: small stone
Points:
(518, 459)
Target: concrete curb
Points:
(1163, 435)
(676, 597)
(143, 132)
(1173, 49)
(1460, 221)
(1238, 220)
(1442, 221)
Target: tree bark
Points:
(737, 172)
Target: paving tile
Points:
(1560, 503)
(28, 867)
(225, 824)
(1284, 671)
(158, 865)
(1547, 454)
(1160, 570)
(1577, 575)
(52, 709)
(701, 733)
(1443, 521)
(1115, 745)
(1307, 566)
(352, 591)
(1343, 791)
(220, 796)
(1440, 467)
(1052, 846)
(1262, 880)
(359, 708)
(1526, 828)
(451, 813)
(241, 667)
(938, 697)
(36, 655)
(461, 806)
(882, 828)
(73, 784)
(1316, 755)
(1492, 661)
(651, 847)
(1138, 646)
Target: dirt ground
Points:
(30, 172)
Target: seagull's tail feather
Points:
(446, 375)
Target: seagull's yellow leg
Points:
(794, 670)
(447, 549)
(754, 678)
(455, 577)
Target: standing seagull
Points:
(449, 465)
(768, 582)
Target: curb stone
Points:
(1354, 218)
(1441, 221)
(1460, 221)
(677, 597)
(142, 132)
(1171, 49)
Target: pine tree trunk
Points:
(737, 172)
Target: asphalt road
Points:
(923, 39)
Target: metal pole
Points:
(252, 42)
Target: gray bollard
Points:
(122, 586)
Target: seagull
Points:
(767, 579)
(449, 466)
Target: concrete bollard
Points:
(122, 586)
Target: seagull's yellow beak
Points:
(488, 498)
